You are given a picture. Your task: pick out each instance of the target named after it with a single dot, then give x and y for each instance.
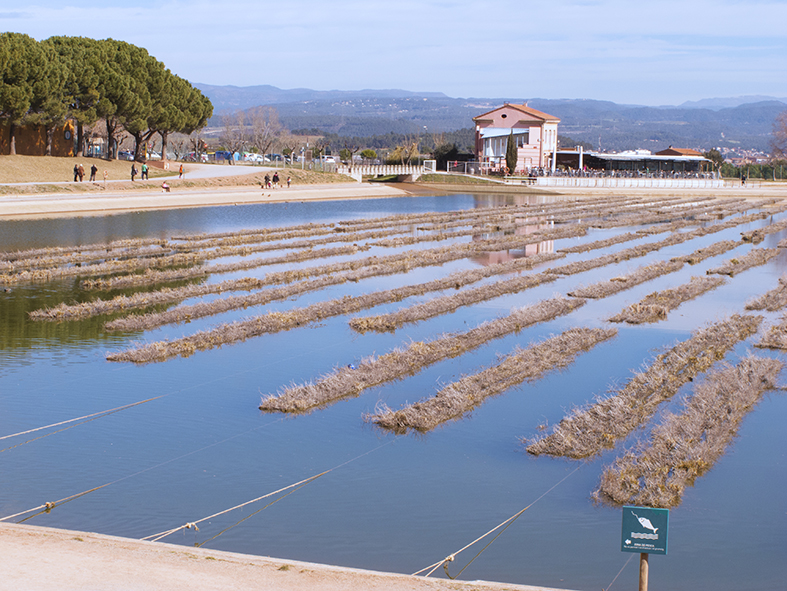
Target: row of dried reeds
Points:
(412, 258)
(686, 445)
(103, 268)
(351, 381)
(707, 252)
(758, 235)
(603, 289)
(754, 258)
(279, 321)
(655, 306)
(774, 300)
(83, 257)
(462, 396)
(143, 299)
(586, 431)
(52, 251)
(443, 305)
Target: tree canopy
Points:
(90, 80)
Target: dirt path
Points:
(41, 559)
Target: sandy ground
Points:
(43, 559)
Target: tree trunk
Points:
(164, 135)
(50, 134)
(12, 139)
(112, 151)
(80, 140)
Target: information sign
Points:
(644, 530)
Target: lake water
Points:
(389, 503)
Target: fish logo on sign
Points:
(645, 523)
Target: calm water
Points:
(389, 503)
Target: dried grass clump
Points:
(707, 252)
(52, 251)
(449, 303)
(655, 306)
(462, 396)
(776, 337)
(603, 289)
(586, 431)
(347, 381)
(755, 257)
(298, 317)
(758, 235)
(774, 300)
(686, 445)
(83, 257)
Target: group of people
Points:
(273, 183)
(79, 172)
(145, 171)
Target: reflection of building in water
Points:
(503, 199)
(527, 228)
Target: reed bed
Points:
(707, 252)
(277, 230)
(776, 337)
(408, 260)
(655, 306)
(586, 431)
(774, 300)
(124, 303)
(351, 381)
(603, 289)
(686, 445)
(443, 305)
(755, 258)
(105, 268)
(346, 305)
(462, 396)
(65, 250)
(602, 243)
(758, 235)
(83, 257)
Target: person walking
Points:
(93, 171)
(144, 175)
(133, 172)
(289, 179)
(275, 180)
(180, 172)
(81, 172)
(76, 172)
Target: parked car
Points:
(125, 155)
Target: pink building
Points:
(535, 134)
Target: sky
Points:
(661, 52)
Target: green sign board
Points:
(644, 530)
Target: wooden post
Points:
(643, 572)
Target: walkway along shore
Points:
(42, 558)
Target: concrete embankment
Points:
(42, 558)
(71, 205)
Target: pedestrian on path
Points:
(93, 171)
(133, 172)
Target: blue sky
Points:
(651, 53)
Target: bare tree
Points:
(264, 128)
(236, 135)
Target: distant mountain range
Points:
(741, 123)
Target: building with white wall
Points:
(535, 134)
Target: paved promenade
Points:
(47, 559)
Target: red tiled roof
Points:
(535, 113)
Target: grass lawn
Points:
(48, 169)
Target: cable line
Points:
(451, 557)
(297, 485)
